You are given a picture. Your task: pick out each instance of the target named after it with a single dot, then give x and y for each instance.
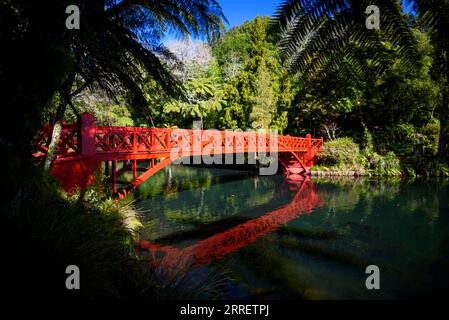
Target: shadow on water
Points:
(301, 239)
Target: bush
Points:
(388, 165)
(344, 155)
(338, 152)
(380, 165)
(436, 169)
(416, 147)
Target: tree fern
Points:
(315, 35)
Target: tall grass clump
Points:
(46, 230)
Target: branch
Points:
(119, 7)
(79, 90)
(68, 100)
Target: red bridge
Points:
(83, 147)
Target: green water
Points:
(342, 226)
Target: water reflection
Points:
(258, 230)
(304, 200)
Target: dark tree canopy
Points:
(118, 47)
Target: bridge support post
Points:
(114, 176)
(87, 134)
(309, 149)
(134, 169)
(106, 169)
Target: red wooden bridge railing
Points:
(83, 147)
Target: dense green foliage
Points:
(363, 82)
(340, 151)
(343, 156)
(394, 111)
(241, 86)
(391, 114)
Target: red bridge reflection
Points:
(219, 245)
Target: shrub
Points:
(341, 151)
(416, 146)
(388, 165)
(410, 172)
(380, 165)
(435, 168)
(344, 155)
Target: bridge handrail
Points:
(124, 139)
(68, 144)
(76, 139)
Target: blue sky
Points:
(239, 11)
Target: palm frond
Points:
(435, 15)
(317, 33)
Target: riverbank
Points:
(344, 157)
(337, 173)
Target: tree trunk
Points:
(444, 122)
(442, 142)
(65, 93)
(443, 63)
(55, 135)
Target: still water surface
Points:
(270, 238)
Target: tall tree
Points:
(252, 94)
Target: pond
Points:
(267, 237)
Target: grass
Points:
(46, 231)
